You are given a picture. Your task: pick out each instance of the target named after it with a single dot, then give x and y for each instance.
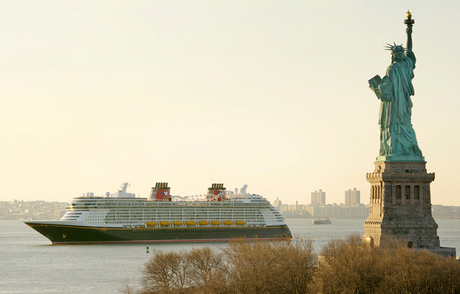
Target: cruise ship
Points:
(218, 215)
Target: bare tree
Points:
(347, 266)
(271, 267)
(298, 263)
(166, 273)
(207, 270)
(352, 267)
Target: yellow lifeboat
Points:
(165, 224)
(151, 224)
(190, 223)
(215, 223)
(203, 223)
(178, 223)
(240, 223)
(228, 223)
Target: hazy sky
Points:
(272, 94)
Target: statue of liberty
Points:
(397, 136)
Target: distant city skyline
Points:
(271, 94)
(306, 200)
(22, 210)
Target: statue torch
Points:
(409, 21)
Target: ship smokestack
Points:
(216, 192)
(161, 192)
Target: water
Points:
(30, 264)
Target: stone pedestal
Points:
(400, 206)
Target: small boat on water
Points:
(322, 221)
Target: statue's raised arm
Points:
(409, 22)
(409, 38)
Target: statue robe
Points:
(397, 136)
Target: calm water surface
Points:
(30, 264)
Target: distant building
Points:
(278, 204)
(318, 198)
(352, 197)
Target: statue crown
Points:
(395, 48)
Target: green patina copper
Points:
(397, 136)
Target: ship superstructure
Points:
(219, 215)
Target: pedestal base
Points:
(400, 206)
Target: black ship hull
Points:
(69, 234)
